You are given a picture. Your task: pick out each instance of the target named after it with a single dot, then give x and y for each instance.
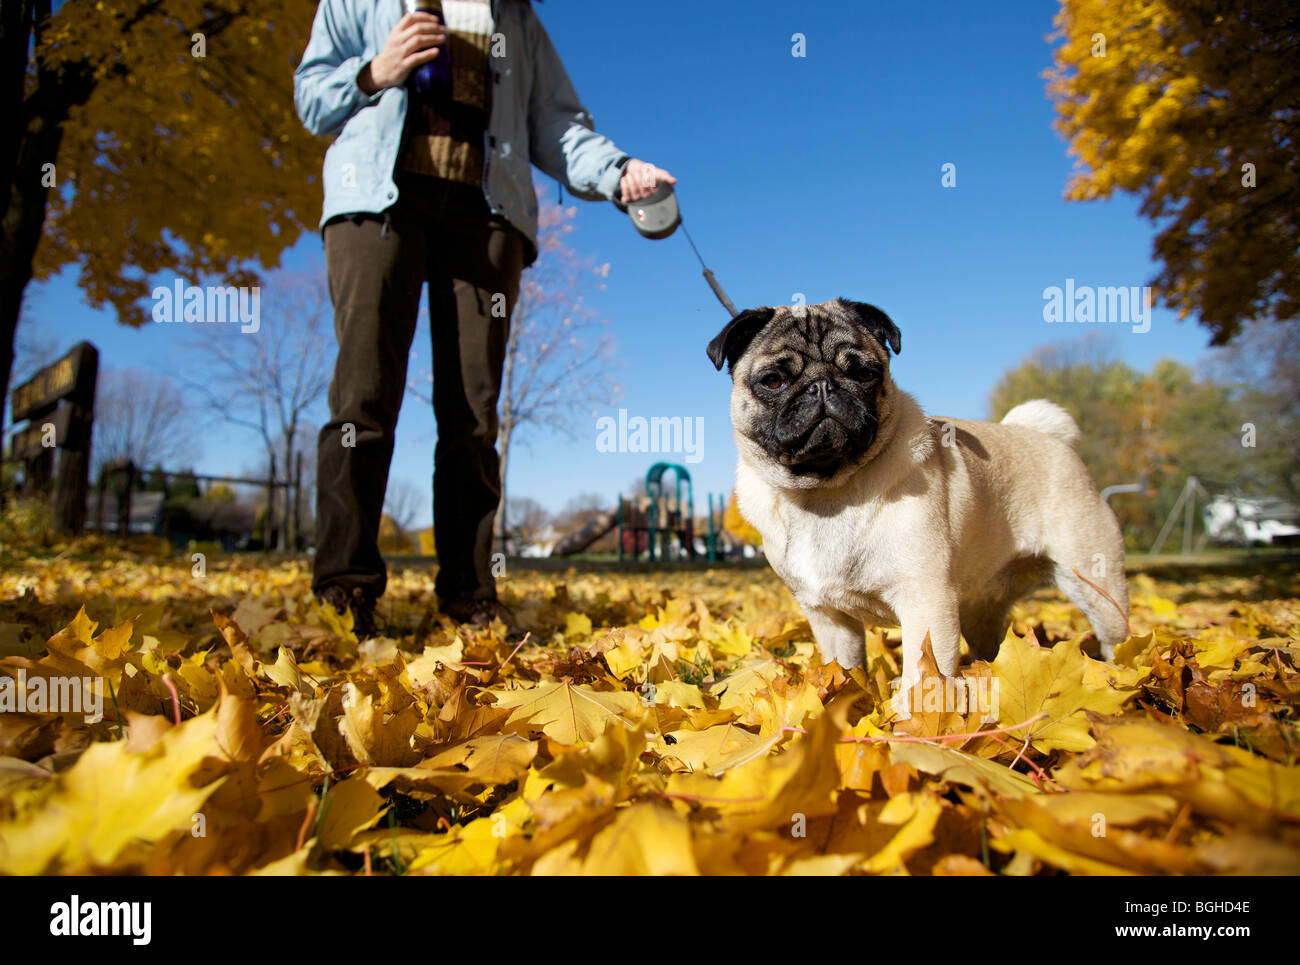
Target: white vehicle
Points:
(1266, 520)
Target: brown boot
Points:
(358, 601)
(481, 613)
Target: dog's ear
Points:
(880, 325)
(730, 343)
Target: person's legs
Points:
(375, 274)
(473, 284)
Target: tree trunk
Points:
(286, 526)
(297, 501)
(267, 531)
(34, 135)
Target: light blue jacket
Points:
(535, 115)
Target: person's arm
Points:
(332, 83)
(562, 137)
(325, 90)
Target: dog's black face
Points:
(809, 382)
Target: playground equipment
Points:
(1230, 517)
(664, 517)
(1187, 504)
(579, 540)
(660, 523)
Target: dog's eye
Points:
(860, 370)
(772, 381)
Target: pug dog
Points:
(873, 513)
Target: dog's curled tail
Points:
(1047, 417)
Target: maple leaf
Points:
(950, 764)
(1049, 688)
(349, 808)
(768, 791)
(577, 625)
(676, 693)
(645, 839)
(741, 687)
(1065, 833)
(937, 705)
(469, 849)
(566, 711)
(376, 735)
(711, 748)
(286, 672)
(109, 800)
(486, 760)
(729, 641)
(917, 814)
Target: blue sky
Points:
(817, 176)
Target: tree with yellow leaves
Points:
(149, 138)
(1192, 106)
(733, 522)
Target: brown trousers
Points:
(442, 233)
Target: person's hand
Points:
(414, 41)
(639, 180)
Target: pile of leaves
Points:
(663, 723)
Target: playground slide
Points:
(594, 530)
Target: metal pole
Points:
(651, 520)
(713, 544)
(124, 506)
(267, 524)
(1109, 491)
(1169, 522)
(681, 518)
(99, 502)
(297, 501)
(690, 520)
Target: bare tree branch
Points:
(268, 380)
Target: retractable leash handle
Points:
(658, 216)
(655, 216)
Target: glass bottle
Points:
(431, 81)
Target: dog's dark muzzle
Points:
(821, 426)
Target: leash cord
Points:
(691, 242)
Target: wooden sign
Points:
(72, 376)
(28, 443)
(59, 402)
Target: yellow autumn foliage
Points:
(665, 723)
